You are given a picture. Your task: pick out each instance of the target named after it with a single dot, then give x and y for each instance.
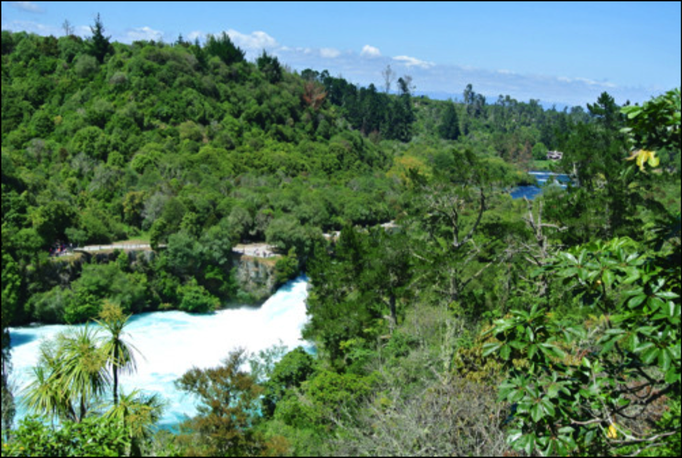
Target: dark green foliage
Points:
(270, 67)
(195, 149)
(229, 399)
(223, 48)
(449, 127)
(656, 124)
(289, 373)
(195, 299)
(99, 45)
(326, 397)
(358, 292)
(287, 267)
(91, 437)
(640, 346)
(97, 282)
(598, 386)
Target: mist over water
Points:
(172, 342)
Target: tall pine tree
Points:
(99, 45)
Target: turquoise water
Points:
(173, 342)
(542, 178)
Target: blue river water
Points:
(172, 342)
(530, 192)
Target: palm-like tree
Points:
(70, 376)
(137, 413)
(120, 355)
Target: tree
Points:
(120, 355)
(11, 289)
(90, 437)
(449, 210)
(340, 308)
(388, 271)
(68, 28)
(228, 409)
(656, 124)
(289, 373)
(270, 67)
(99, 45)
(158, 233)
(70, 376)
(195, 299)
(597, 387)
(449, 127)
(136, 415)
(223, 48)
(389, 77)
(605, 393)
(606, 112)
(604, 200)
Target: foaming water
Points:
(170, 343)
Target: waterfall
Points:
(172, 342)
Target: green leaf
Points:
(530, 444)
(552, 350)
(589, 436)
(516, 396)
(549, 407)
(566, 430)
(664, 359)
(553, 390)
(514, 436)
(569, 257)
(643, 347)
(532, 350)
(490, 348)
(537, 412)
(649, 355)
(505, 351)
(667, 295)
(632, 275)
(636, 300)
(673, 375)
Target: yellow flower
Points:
(643, 156)
(613, 432)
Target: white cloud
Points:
(370, 51)
(33, 27)
(255, 41)
(414, 62)
(83, 30)
(329, 53)
(193, 35)
(589, 82)
(31, 7)
(144, 33)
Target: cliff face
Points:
(255, 276)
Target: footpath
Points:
(256, 250)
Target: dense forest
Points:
(482, 325)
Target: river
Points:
(542, 178)
(173, 342)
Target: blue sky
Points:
(565, 53)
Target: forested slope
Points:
(482, 326)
